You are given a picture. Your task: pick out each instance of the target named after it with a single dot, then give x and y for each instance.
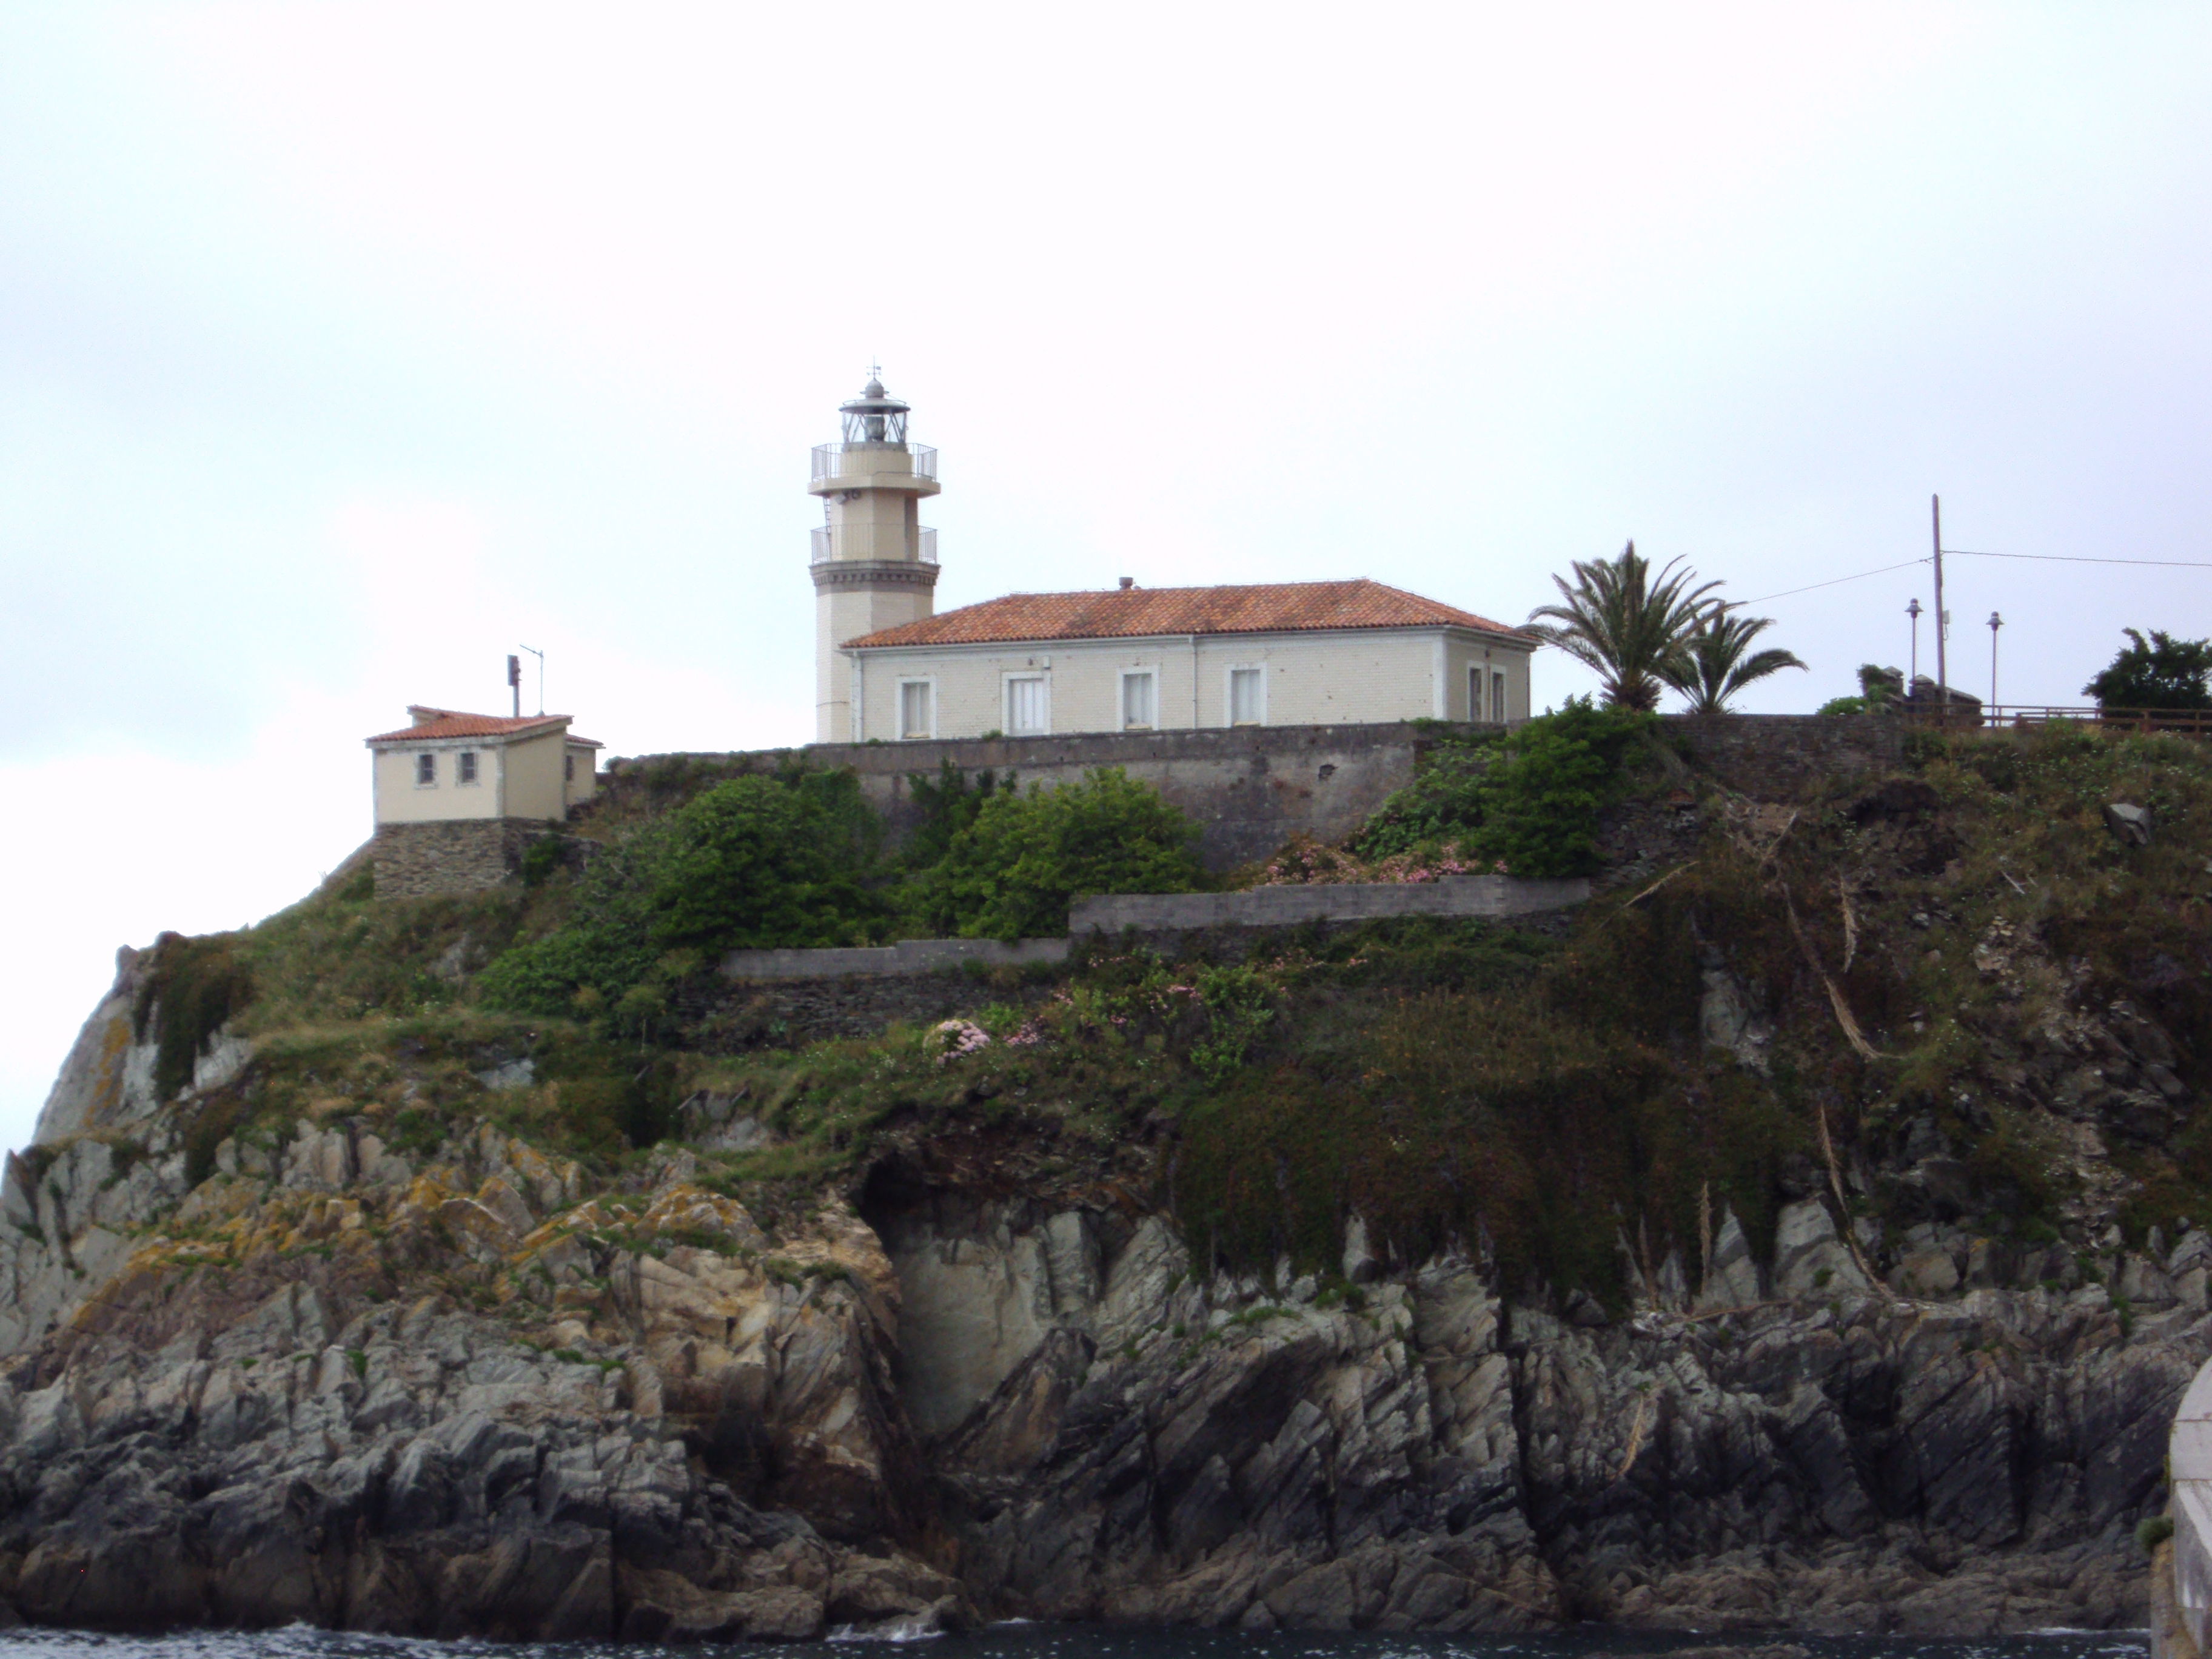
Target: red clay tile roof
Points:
(1137, 612)
(451, 723)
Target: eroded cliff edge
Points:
(976, 1387)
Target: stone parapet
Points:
(1782, 758)
(454, 855)
(1295, 905)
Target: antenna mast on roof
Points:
(540, 655)
(514, 681)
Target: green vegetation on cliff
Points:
(1897, 991)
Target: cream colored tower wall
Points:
(872, 496)
(1308, 679)
(883, 524)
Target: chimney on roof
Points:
(1127, 582)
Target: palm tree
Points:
(1631, 630)
(1719, 662)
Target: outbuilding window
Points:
(568, 768)
(466, 767)
(426, 769)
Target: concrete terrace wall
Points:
(1157, 913)
(1295, 905)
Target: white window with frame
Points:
(1029, 705)
(1248, 696)
(917, 702)
(426, 769)
(1498, 697)
(1140, 699)
(464, 767)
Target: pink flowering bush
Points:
(952, 1039)
(1305, 861)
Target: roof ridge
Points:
(1219, 609)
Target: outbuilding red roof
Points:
(451, 723)
(1137, 612)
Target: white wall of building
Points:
(1355, 677)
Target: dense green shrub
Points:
(1011, 873)
(944, 806)
(1529, 800)
(759, 862)
(2160, 672)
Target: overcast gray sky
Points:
(345, 348)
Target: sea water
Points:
(1090, 1642)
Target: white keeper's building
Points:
(1122, 660)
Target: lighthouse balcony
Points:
(826, 549)
(874, 466)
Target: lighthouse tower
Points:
(874, 562)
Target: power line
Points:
(1968, 553)
(1862, 576)
(2076, 558)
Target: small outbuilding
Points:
(460, 796)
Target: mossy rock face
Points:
(191, 989)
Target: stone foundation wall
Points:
(461, 855)
(1782, 757)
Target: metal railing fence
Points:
(827, 462)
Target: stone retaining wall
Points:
(1251, 788)
(1163, 917)
(909, 955)
(1781, 757)
(459, 856)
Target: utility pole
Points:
(1995, 622)
(1942, 677)
(540, 655)
(1911, 611)
(514, 681)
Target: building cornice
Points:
(873, 573)
(1003, 647)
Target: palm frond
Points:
(1718, 661)
(1633, 629)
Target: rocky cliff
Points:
(377, 1324)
